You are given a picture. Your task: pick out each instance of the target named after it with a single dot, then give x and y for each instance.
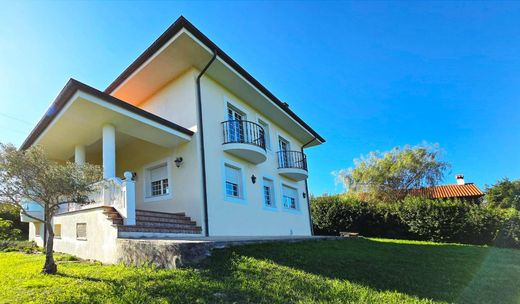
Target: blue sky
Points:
(366, 75)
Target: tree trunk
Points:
(50, 266)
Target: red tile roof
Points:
(449, 191)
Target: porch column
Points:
(109, 151)
(79, 154)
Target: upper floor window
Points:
(290, 197)
(267, 133)
(233, 182)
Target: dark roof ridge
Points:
(172, 30)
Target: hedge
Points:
(419, 219)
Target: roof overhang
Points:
(79, 113)
(181, 47)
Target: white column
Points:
(79, 154)
(109, 151)
(129, 184)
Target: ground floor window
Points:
(38, 229)
(81, 231)
(233, 181)
(268, 193)
(290, 197)
(57, 231)
(157, 181)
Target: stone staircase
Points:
(152, 222)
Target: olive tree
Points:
(390, 176)
(29, 176)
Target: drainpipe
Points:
(202, 152)
(307, 189)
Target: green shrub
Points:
(419, 219)
(7, 230)
(509, 234)
(21, 246)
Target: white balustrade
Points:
(113, 192)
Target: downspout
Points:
(307, 189)
(202, 151)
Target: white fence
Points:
(112, 192)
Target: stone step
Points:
(166, 225)
(183, 220)
(159, 214)
(190, 230)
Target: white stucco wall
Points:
(100, 243)
(177, 102)
(248, 218)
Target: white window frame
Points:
(237, 107)
(262, 122)
(243, 188)
(274, 197)
(297, 198)
(147, 182)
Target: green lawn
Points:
(346, 271)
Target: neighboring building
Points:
(463, 191)
(192, 146)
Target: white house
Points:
(191, 144)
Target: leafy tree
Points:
(28, 176)
(389, 176)
(12, 213)
(504, 194)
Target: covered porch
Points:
(85, 125)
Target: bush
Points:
(8, 232)
(12, 213)
(21, 246)
(419, 219)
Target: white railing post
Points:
(129, 198)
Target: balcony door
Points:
(283, 155)
(236, 127)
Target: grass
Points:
(344, 271)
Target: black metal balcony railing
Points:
(243, 132)
(292, 159)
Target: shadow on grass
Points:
(453, 273)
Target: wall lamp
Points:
(178, 161)
(253, 179)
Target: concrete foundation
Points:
(173, 253)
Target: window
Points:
(283, 156)
(81, 231)
(290, 197)
(268, 193)
(235, 132)
(157, 180)
(57, 231)
(233, 182)
(267, 134)
(37, 229)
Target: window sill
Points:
(158, 198)
(291, 210)
(272, 209)
(235, 200)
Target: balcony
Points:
(244, 139)
(293, 165)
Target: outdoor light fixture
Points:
(178, 161)
(253, 179)
(304, 195)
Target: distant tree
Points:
(504, 194)
(28, 176)
(389, 176)
(12, 213)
